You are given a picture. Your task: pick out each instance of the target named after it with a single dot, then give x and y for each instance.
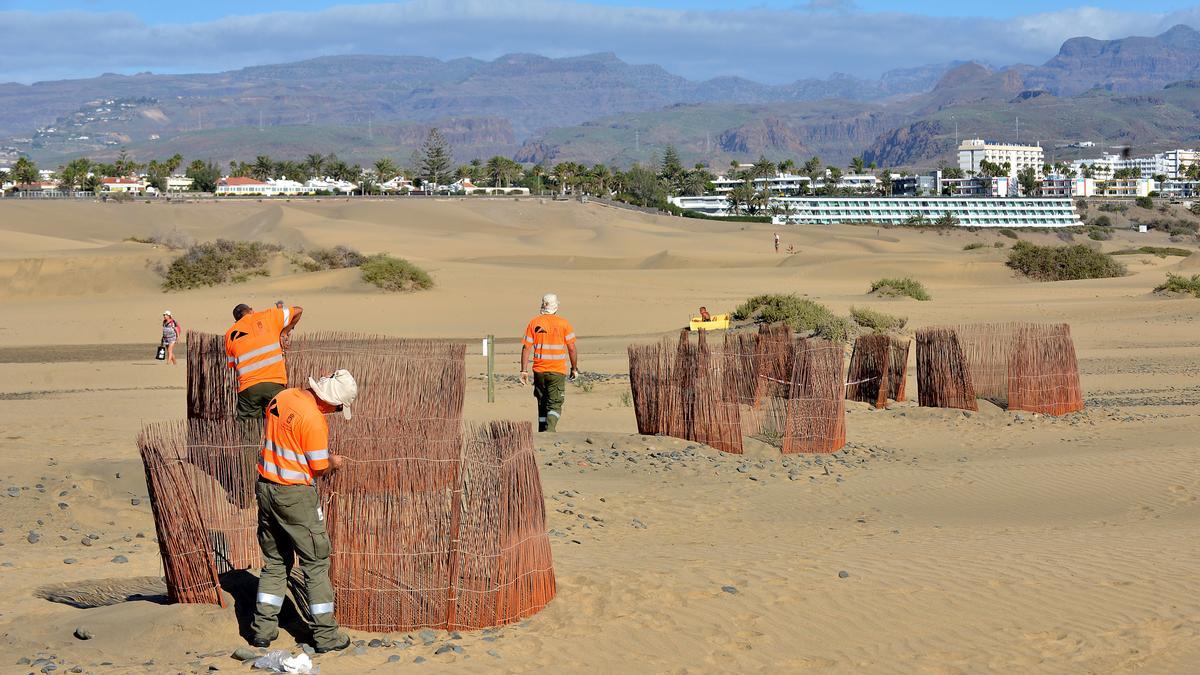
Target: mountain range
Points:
(1138, 91)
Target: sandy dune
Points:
(972, 543)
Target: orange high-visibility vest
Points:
(549, 335)
(295, 440)
(252, 347)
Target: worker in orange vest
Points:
(291, 524)
(254, 346)
(552, 341)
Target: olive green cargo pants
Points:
(252, 401)
(550, 390)
(291, 526)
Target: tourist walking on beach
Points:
(777, 242)
(291, 524)
(552, 341)
(171, 332)
(254, 346)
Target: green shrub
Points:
(998, 244)
(1102, 221)
(1081, 204)
(892, 288)
(803, 315)
(1144, 202)
(877, 321)
(1099, 234)
(395, 274)
(219, 262)
(1062, 263)
(1177, 283)
(1064, 235)
(336, 258)
(1114, 208)
(1006, 232)
(1160, 251)
(973, 245)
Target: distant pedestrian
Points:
(552, 341)
(777, 242)
(171, 332)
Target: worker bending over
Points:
(254, 346)
(552, 341)
(291, 524)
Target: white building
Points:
(179, 183)
(330, 185)
(782, 183)
(1173, 164)
(283, 186)
(243, 185)
(122, 184)
(397, 184)
(968, 211)
(864, 182)
(974, 151)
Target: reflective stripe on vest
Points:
(260, 364)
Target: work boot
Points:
(337, 647)
(263, 642)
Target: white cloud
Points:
(771, 45)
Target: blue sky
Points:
(164, 11)
(774, 41)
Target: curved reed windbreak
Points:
(427, 528)
(943, 378)
(878, 369)
(766, 385)
(188, 566)
(211, 383)
(397, 377)
(816, 400)
(1024, 366)
(682, 391)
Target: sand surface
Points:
(972, 543)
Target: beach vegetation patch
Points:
(395, 274)
(806, 317)
(879, 322)
(1178, 284)
(219, 262)
(1063, 263)
(895, 288)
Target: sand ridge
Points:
(990, 541)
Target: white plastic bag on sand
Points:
(280, 661)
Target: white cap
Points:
(166, 312)
(549, 303)
(336, 389)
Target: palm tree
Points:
(601, 174)
(314, 164)
(263, 167)
(386, 169)
(857, 165)
(740, 196)
(695, 183)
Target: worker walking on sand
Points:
(291, 524)
(254, 346)
(552, 341)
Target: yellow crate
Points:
(719, 322)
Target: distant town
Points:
(994, 184)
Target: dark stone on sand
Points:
(843, 574)
(69, 561)
(14, 492)
(135, 502)
(83, 633)
(360, 651)
(375, 643)
(120, 559)
(64, 506)
(444, 649)
(244, 654)
(732, 590)
(33, 537)
(394, 658)
(419, 659)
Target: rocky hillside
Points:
(1125, 65)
